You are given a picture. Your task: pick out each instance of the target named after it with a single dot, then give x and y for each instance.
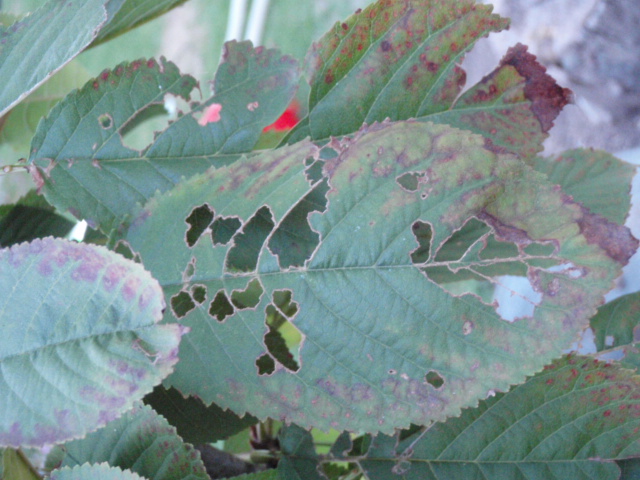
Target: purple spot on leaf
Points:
(130, 289)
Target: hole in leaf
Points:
(223, 229)
(123, 248)
(182, 304)
(249, 297)
(496, 249)
(314, 170)
(423, 233)
(220, 307)
(516, 297)
(475, 261)
(540, 249)
(282, 338)
(106, 121)
(294, 241)
(277, 347)
(199, 293)
(472, 232)
(410, 181)
(139, 132)
(189, 271)
(282, 300)
(433, 379)
(243, 256)
(200, 218)
(265, 364)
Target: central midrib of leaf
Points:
(79, 339)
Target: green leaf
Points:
(617, 330)
(141, 441)
(94, 472)
(398, 59)
(266, 475)
(353, 297)
(80, 342)
(568, 422)
(33, 48)
(513, 107)
(299, 460)
(20, 123)
(597, 179)
(15, 466)
(195, 422)
(32, 217)
(78, 158)
(133, 13)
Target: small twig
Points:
(7, 169)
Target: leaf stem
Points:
(7, 169)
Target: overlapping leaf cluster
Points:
(350, 278)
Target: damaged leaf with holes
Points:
(340, 250)
(399, 59)
(80, 162)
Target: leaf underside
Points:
(80, 323)
(367, 260)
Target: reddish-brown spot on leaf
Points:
(617, 241)
(546, 96)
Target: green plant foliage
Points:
(129, 14)
(20, 124)
(140, 441)
(266, 475)
(40, 44)
(595, 178)
(32, 217)
(195, 422)
(79, 322)
(569, 421)
(95, 472)
(617, 330)
(14, 466)
(400, 60)
(360, 279)
(299, 457)
(81, 164)
(403, 271)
